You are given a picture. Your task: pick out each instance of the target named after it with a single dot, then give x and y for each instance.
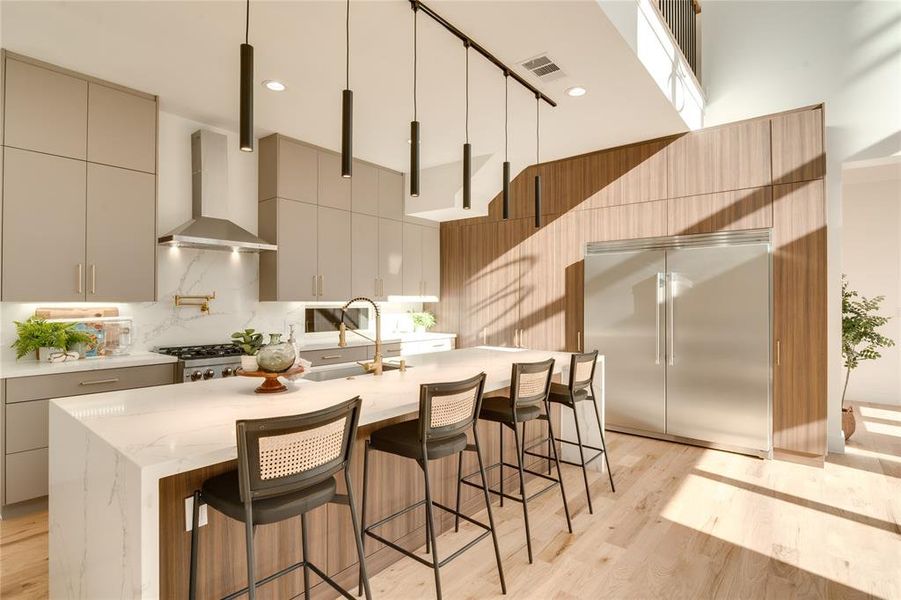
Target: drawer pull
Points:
(438, 345)
(100, 381)
(330, 357)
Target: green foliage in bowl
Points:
(249, 341)
(36, 333)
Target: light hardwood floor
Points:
(684, 523)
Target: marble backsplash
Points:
(233, 277)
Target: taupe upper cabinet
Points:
(43, 227)
(45, 110)
(365, 189)
(391, 195)
(412, 260)
(391, 257)
(121, 129)
(334, 190)
(77, 227)
(364, 263)
(334, 254)
(431, 261)
(120, 255)
(288, 169)
(291, 273)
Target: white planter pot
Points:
(249, 363)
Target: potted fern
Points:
(48, 340)
(860, 340)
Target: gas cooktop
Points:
(201, 352)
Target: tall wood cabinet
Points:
(338, 238)
(507, 283)
(79, 187)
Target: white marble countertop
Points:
(29, 368)
(167, 430)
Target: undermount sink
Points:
(344, 372)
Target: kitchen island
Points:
(122, 464)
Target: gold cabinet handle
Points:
(314, 285)
(330, 357)
(79, 282)
(778, 353)
(321, 278)
(100, 381)
(579, 341)
(93, 279)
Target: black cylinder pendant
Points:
(467, 176)
(414, 158)
(506, 199)
(537, 201)
(347, 133)
(245, 129)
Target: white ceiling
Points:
(187, 53)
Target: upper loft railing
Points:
(684, 20)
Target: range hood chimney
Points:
(210, 229)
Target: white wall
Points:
(233, 277)
(871, 256)
(762, 56)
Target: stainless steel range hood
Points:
(210, 229)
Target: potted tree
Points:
(48, 340)
(860, 340)
(250, 342)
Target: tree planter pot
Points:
(849, 422)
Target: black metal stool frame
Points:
(252, 486)
(517, 401)
(426, 432)
(575, 385)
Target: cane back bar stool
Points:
(580, 389)
(447, 411)
(529, 387)
(286, 468)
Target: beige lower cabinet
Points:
(120, 257)
(43, 227)
(25, 402)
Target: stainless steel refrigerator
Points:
(684, 324)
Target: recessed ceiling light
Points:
(275, 86)
(576, 91)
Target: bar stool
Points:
(446, 412)
(529, 387)
(286, 468)
(580, 389)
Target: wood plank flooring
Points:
(685, 522)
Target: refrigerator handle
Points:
(672, 321)
(661, 286)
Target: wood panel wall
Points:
(508, 283)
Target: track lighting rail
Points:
(417, 5)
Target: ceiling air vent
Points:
(544, 68)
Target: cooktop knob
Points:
(196, 375)
(227, 371)
(209, 374)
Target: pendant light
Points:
(347, 107)
(467, 147)
(537, 160)
(245, 127)
(414, 124)
(506, 188)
